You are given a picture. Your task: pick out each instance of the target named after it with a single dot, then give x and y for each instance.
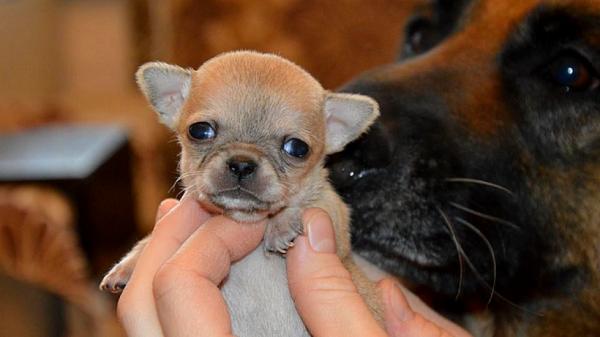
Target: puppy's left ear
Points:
(166, 87)
(347, 117)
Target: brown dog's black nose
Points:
(241, 167)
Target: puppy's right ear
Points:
(166, 87)
(347, 117)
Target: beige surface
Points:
(97, 50)
(50, 47)
(29, 53)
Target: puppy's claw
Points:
(116, 279)
(280, 236)
(114, 288)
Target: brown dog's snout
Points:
(241, 167)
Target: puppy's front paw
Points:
(116, 279)
(281, 232)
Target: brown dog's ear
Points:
(166, 87)
(347, 116)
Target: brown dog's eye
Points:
(574, 73)
(418, 36)
(295, 148)
(202, 131)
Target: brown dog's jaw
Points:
(486, 162)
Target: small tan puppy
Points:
(254, 131)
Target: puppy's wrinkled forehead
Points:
(254, 95)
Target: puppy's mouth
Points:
(239, 199)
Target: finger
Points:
(136, 307)
(165, 207)
(402, 321)
(323, 291)
(186, 289)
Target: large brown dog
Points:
(481, 183)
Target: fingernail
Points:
(320, 233)
(164, 207)
(399, 305)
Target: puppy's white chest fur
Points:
(256, 292)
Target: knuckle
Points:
(167, 204)
(167, 276)
(173, 276)
(328, 284)
(161, 223)
(428, 328)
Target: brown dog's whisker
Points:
(496, 293)
(458, 249)
(477, 274)
(490, 248)
(484, 216)
(481, 182)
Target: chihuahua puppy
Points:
(254, 131)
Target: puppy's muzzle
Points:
(241, 167)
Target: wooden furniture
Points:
(44, 276)
(66, 214)
(91, 166)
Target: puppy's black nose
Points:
(241, 167)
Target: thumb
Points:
(405, 319)
(322, 288)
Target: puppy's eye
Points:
(202, 131)
(295, 148)
(419, 36)
(573, 72)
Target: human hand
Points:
(174, 288)
(329, 303)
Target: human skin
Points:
(174, 288)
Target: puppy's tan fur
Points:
(255, 102)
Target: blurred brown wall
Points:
(53, 48)
(332, 39)
(97, 47)
(29, 54)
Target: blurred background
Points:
(83, 160)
